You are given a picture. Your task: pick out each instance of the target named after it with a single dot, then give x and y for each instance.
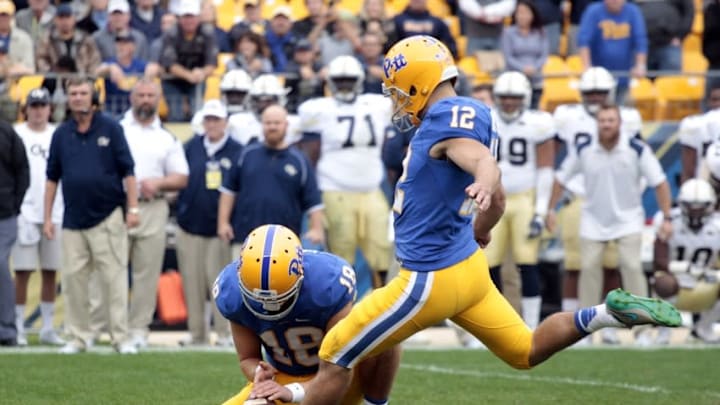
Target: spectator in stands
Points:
(189, 55)
(305, 76)
(119, 24)
(667, 24)
(552, 17)
(279, 38)
(208, 16)
(710, 41)
(201, 254)
(612, 210)
(37, 19)
(121, 72)
(89, 154)
(14, 181)
(32, 250)
(344, 40)
(287, 191)
(251, 55)
(96, 18)
(577, 8)
(64, 39)
(252, 21)
(483, 22)
(161, 167)
(167, 23)
(15, 59)
(371, 57)
(373, 18)
(612, 35)
(146, 16)
(525, 46)
(307, 27)
(417, 20)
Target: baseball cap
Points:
(303, 45)
(213, 108)
(124, 37)
(64, 10)
(189, 7)
(282, 11)
(118, 5)
(37, 96)
(7, 7)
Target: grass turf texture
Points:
(669, 376)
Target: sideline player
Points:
(284, 299)
(450, 168)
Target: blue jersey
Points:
(433, 215)
(292, 343)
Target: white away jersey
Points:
(575, 125)
(37, 148)
(700, 248)
(245, 128)
(351, 136)
(517, 148)
(693, 133)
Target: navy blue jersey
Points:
(292, 343)
(432, 212)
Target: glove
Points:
(536, 227)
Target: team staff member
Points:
(271, 183)
(201, 254)
(31, 249)
(14, 180)
(160, 166)
(89, 154)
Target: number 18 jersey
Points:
(351, 135)
(432, 212)
(292, 343)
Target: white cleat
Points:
(126, 348)
(22, 339)
(50, 337)
(72, 348)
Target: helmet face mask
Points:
(512, 93)
(697, 203)
(235, 100)
(345, 78)
(270, 271)
(401, 119)
(266, 90)
(234, 88)
(597, 87)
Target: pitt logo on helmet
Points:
(395, 64)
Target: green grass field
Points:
(591, 376)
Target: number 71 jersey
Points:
(291, 344)
(351, 135)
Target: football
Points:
(666, 285)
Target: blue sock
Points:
(591, 319)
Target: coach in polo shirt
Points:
(613, 169)
(201, 254)
(271, 183)
(90, 155)
(160, 166)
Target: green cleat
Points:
(634, 310)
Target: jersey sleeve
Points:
(311, 119)
(690, 132)
(226, 292)
(338, 283)
(544, 127)
(631, 122)
(461, 118)
(561, 121)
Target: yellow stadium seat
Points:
(679, 96)
(438, 8)
(19, 90)
(555, 66)
(353, 6)
(644, 97)
(212, 88)
(469, 65)
(229, 12)
(453, 23)
(559, 91)
(461, 43)
(692, 43)
(694, 62)
(698, 23)
(222, 60)
(100, 88)
(575, 65)
(397, 6)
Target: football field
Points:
(577, 376)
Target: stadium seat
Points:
(222, 60)
(212, 88)
(19, 90)
(100, 88)
(228, 12)
(692, 43)
(559, 91)
(438, 8)
(453, 23)
(396, 6)
(698, 22)
(469, 66)
(555, 66)
(575, 65)
(354, 6)
(694, 62)
(461, 43)
(679, 96)
(644, 97)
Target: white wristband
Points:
(297, 390)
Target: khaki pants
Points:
(200, 260)
(101, 250)
(591, 272)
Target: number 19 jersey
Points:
(432, 212)
(351, 135)
(292, 343)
